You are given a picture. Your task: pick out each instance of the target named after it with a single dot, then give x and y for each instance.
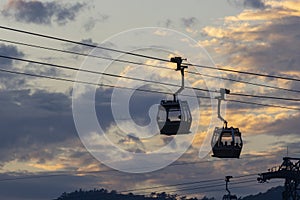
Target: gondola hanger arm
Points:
(223, 91)
(178, 61)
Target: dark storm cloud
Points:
(272, 48)
(103, 107)
(9, 50)
(140, 104)
(38, 12)
(8, 80)
(36, 124)
(284, 126)
(43, 188)
(33, 121)
(292, 147)
(282, 51)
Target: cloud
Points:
(92, 51)
(46, 147)
(168, 23)
(32, 121)
(38, 128)
(254, 4)
(38, 12)
(38, 133)
(278, 50)
(205, 170)
(9, 50)
(249, 4)
(285, 124)
(189, 22)
(9, 80)
(49, 188)
(274, 10)
(132, 143)
(266, 46)
(91, 23)
(82, 48)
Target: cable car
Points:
(226, 142)
(174, 117)
(228, 196)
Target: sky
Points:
(58, 136)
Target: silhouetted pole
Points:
(227, 180)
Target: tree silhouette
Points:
(103, 194)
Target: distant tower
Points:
(290, 171)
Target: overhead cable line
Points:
(182, 184)
(139, 89)
(81, 43)
(264, 97)
(208, 186)
(135, 79)
(141, 55)
(143, 64)
(66, 173)
(83, 54)
(171, 185)
(87, 83)
(96, 72)
(246, 175)
(245, 82)
(261, 104)
(243, 72)
(236, 187)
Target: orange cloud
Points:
(47, 166)
(277, 10)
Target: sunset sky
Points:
(42, 152)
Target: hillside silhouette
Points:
(103, 194)
(274, 193)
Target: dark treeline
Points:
(272, 194)
(103, 194)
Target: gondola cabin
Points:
(227, 143)
(174, 117)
